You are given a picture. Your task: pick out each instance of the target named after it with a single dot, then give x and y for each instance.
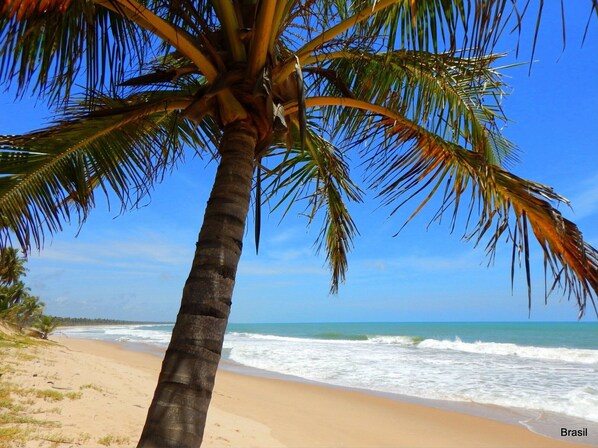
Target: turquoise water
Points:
(540, 334)
(582, 335)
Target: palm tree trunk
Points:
(178, 411)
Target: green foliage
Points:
(12, 266)
(21, 311)
(84, 321)
(12, 269)
(46, 324)
(10, 295)
(83, 37)
(145, 136)
(17, 305)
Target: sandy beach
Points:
(75, 392)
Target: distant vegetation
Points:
(83, 321)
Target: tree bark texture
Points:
(177, 415)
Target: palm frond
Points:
(456, 97)
(470, 26)
(170, 70)
(196, 17)
(318, 175)
(22, 9)
(48, 50)
(405, 160)
(503, 201)
(444, 25)
(171, 35)
(265, 28)
(124, 147)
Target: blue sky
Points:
(133, 266)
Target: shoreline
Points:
(270, 403)
(543, 423)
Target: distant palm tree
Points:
(12, 289)
(46, 324)
(10, 295)
(12, 266)
(27, 310)
(281, 93)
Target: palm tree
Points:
(46, 324)
(10, 295)
(281, 93)
(12, 289)
(12, 266)
(28, 308)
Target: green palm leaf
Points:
(416, 160)
(83, 35)
(424, 25)
(457, 98)
(405, 160)
(319, 176)
(124, 147)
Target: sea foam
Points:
(558, 380)
(505, 349)
(552, 379)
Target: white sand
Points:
(111, 389)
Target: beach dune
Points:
(109, 389)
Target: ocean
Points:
(546, 372)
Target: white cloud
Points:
(424, 263)
(137, 252)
